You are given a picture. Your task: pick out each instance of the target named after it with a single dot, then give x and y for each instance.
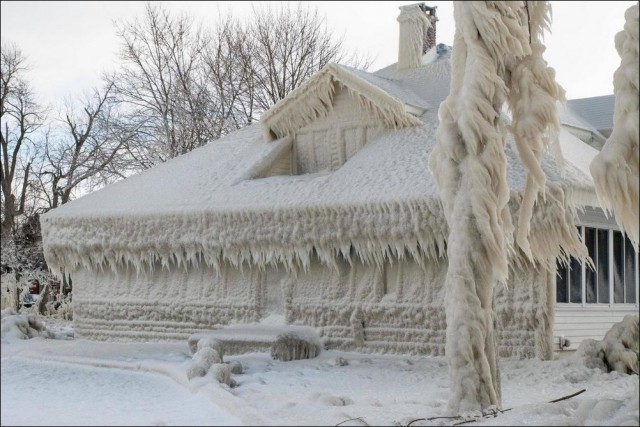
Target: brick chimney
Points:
(417, 34)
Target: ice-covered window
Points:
(615, 277)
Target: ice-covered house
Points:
(323, 214)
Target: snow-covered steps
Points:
(285, 342)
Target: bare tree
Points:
(87, 148)
(183, 87)
(228, 77)
(289, 46)
(158, 82)
(20, 118)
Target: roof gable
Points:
(388, 101)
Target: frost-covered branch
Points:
(533, 96)
(88, 146)
(615, 168)
(20, 118)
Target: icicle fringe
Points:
(533, 96)
(375, 233)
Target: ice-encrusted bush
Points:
(291, 346)
(65, 310)
(194, 369)
(618, 351)
(208, 359)
(207, 356)
(236, 367)
(222, 373)
(22, 326)
(197, 342)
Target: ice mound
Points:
(22, 326)
(618, 351)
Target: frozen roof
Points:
(569, 117)
(207, 205)
(597, 110)
(431, 81)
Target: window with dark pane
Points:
(630, 277)
(562, 276)
(618, 267)
(615, 271)
(590, 274)
(603, 266)
(575, 281)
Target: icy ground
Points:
(78, 382)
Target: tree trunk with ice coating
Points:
(615, 168)
(493, 42)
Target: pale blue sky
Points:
(69, 44)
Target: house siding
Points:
(398, 308)
(580, 323)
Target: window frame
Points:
(610, 228)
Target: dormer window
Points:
(332, 116)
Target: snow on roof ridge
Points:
(313, 99)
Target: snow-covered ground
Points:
(78, 382)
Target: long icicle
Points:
(533, 96)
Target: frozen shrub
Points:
(22, 326)
(206, 357)
(197, 342)
(194, 370)
(210, 342)
(236, 367)
(292, 347)
(591, 354)
(65, 310)
(222, 373)
(618, 351)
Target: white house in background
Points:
(589, 301)
(325, 214)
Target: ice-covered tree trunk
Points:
(492, 44)
(615, 168)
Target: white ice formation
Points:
(22, 326)
(285, 342)
(615, 169)
(496, 58)
(314, 99)
(532, 97)
(619, 350)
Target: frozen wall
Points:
(162, 304)
(397, 308)
(328, 142)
